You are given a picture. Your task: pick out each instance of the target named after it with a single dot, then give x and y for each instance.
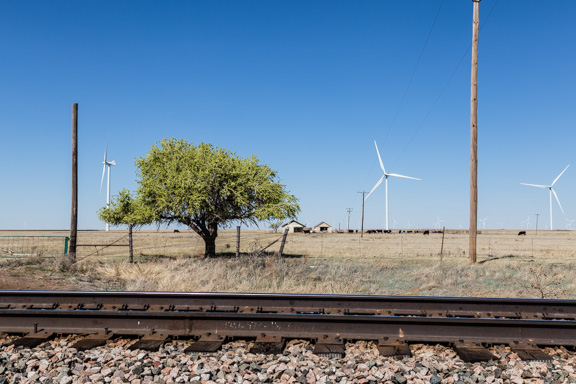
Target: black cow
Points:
(176, 231)
(522, 233)
(426, 232)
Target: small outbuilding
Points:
(293, 227)
(323, 227)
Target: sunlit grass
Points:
(382, 264)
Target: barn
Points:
(323, 227)
(293, 227)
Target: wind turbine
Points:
(438, 222)
(484, 222)
(552, 192)
(109, 164)
(385, 177)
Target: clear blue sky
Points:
(307, 86)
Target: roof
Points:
(292, 222)
(325, 224)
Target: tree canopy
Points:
(126, 210)
(206, 187)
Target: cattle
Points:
(426, 232)
(522, 233)
(176, 231)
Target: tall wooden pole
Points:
(74, 216)
(362, 225)
(474, 136)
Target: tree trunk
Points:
(209, 233)
(210, 246)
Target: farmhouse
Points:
(323, 227)
(293, 227)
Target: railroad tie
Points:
(472, 352)
(268, 345)
(394, 348)
(151, 342)
(529, 351)
(32, 340)
(92, 341)
(206, 343)
(328, 346)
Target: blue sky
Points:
(307, 86)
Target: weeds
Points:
(547, 284)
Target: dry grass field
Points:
(535, 265)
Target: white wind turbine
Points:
(552, 192)
(109, 164)
(484, 222)
(385, 177)
(439, 222)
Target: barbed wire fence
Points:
(151, 245)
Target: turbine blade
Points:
(556, 179)
(103, 173)
(405, 177)
(376, 186)
(379, 158)
(556, 196)
(106, 154)
(536, 185)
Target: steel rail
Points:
(421, 306)
(282, 325)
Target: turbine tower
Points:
(109, 164)
(385, 177)
(552, 192)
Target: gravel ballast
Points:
(56, 362)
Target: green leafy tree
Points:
(205, 187)
(127, 210)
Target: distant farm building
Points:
(293, 227)
(323, 227)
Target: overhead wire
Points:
(413, 72)
(443, 88)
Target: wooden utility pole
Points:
(474, 136)
(74, 217)
(362, 225)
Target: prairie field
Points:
(538, 265)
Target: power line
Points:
(413, 73)
(464, 56)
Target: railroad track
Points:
(210, 319)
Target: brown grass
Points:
(387, 264)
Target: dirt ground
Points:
(16, 275)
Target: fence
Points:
(29, 246)
(150, 244)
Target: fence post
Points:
(238, 241)
(283, 242)
(442, 247)
(130, 243)
(66, 239)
